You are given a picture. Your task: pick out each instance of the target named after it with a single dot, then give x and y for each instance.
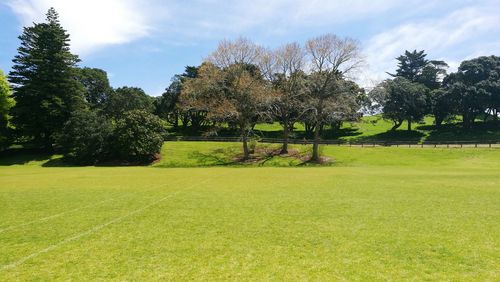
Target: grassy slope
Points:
(378, 214)
(373, 128)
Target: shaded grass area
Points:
(203, 154)
(377, 214)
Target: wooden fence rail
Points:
(410, 144)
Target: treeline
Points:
(57, 106)
(423, 87)
(61, 106)
(242, 84)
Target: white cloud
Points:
(211, 18)
(459, 35)
(91, 23)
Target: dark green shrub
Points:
(86, 138)
(138, 136)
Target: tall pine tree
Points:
(45, 88)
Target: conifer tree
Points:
(45, 86)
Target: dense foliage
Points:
(90, 138)
(96, 85)
(138, 136)
(87, 138)
(404, 100)
(471, 92)
(6, 103)
(475, 88)
(169, 108)
(126, 99)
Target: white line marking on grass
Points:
(54, 215)
(63, 213)
(96, 228)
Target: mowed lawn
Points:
(374, 214)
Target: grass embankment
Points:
(377, 214)
(374, 128)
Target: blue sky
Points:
(145, 42)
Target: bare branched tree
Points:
(331, 59)
(239, 52)
(284, 68)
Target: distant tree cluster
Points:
(422, 87)
(241, 84)
(61, 106)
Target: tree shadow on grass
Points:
(393, 136)
(335, 134)
(61, 162)
(264, 155)
(21, 156)
(479, 132)
(217, 157)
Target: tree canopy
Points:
(404, 100)
(96, 86)
(126, 99)
(475, 88)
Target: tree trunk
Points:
(185, 120)
(286, 130)
(309, 129)
(397, 124)
(409, 125)
(466, 120)
(176, 120)
(438, 120)
(44, 141)
(246, 152)
(315, 153)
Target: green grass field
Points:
(373, 214)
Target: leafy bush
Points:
(125, 99)
(86, 138)
(6, 103)
(139, 136)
